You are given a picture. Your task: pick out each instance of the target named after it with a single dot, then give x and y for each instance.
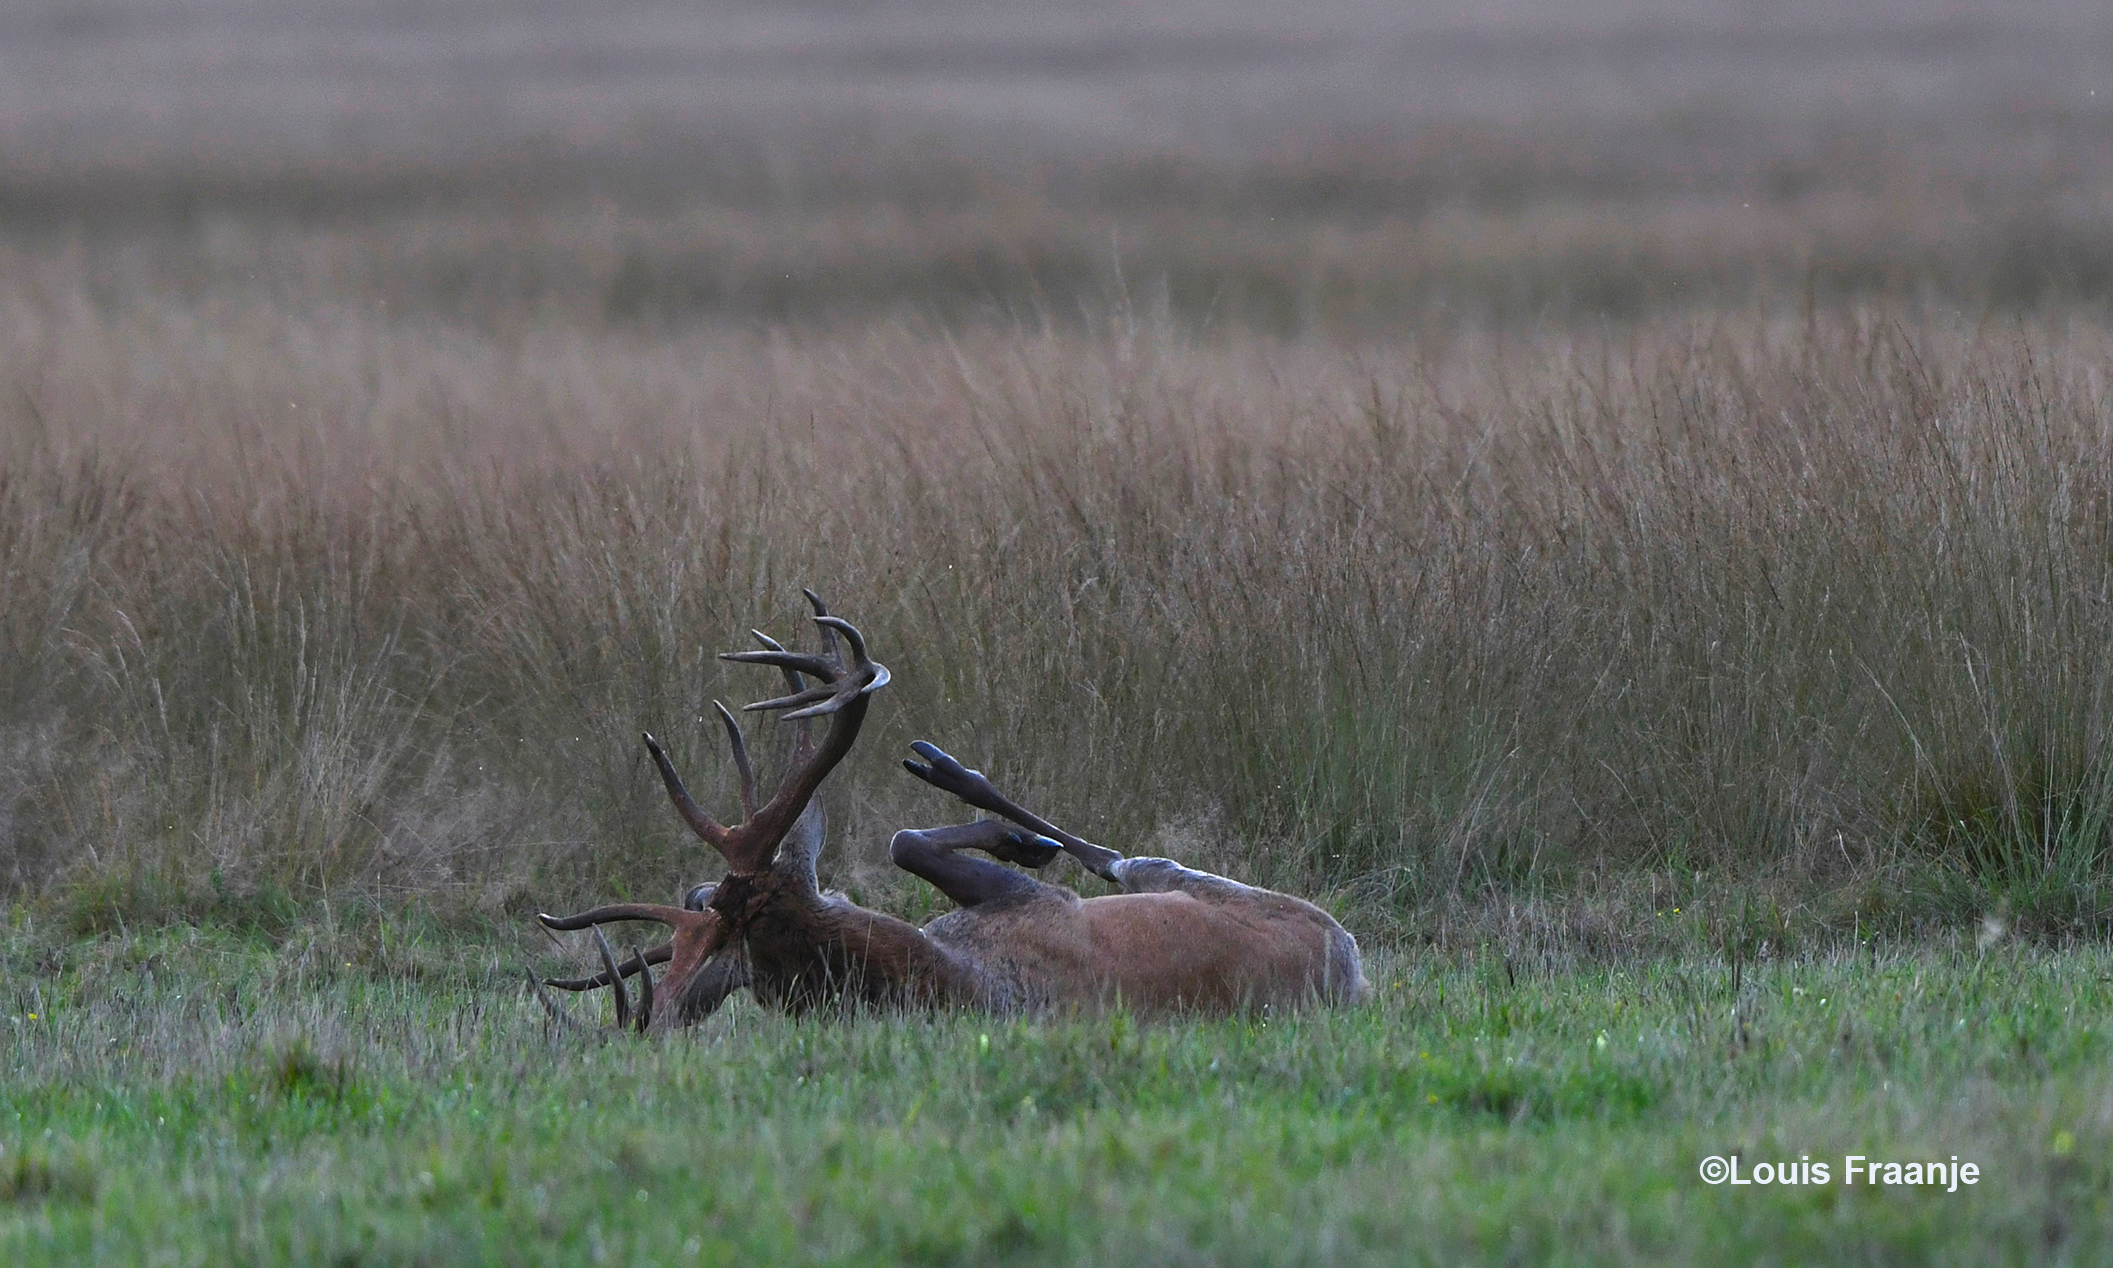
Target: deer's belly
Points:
(1165, 952)
(1172, 951)
(1156, 952)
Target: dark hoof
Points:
(1028, 850)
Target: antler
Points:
(699, 936)
(840, 696)
(698, 974)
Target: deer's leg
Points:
(934, 854)
(1137, 876)
(1155, 876)
(941, 771)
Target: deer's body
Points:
(1157, 952)
(1171, 940)
(1213, 945)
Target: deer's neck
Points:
(809, 950)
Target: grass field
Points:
(1614, 500)
(319, 611)
(363, 1096)
(1348, 170)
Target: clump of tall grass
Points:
(316, 606)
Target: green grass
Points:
(191, 1096)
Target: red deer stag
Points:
(1174, 939)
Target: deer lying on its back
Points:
(1174, 939)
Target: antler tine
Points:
(656, 955)
(794, 683)
(616, 978)
(807, 697)
(693, 814)
(673, 917)
(645, 990)
(741, 763)
(829, 623)
(793, 664)
(824, 668)
(821, 610)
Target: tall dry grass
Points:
(311, 605)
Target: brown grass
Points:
(323, 606)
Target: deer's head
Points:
(769, 851)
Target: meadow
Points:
(1615, 504)
(305, 611)
(360, 1096)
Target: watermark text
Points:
(1946, 1174)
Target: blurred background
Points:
(1336, 167)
